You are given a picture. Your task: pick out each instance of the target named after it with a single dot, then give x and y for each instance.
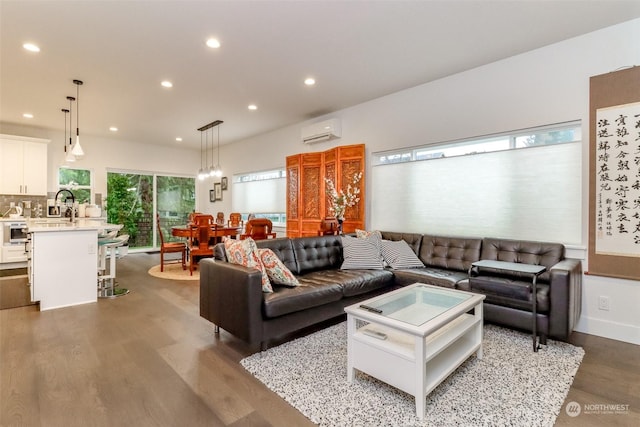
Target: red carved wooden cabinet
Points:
(307, 199)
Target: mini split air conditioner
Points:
(321, 131)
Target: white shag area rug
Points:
(510, 386)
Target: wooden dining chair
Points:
(220, 219)
(235, 220)
(202, 232)
(258, 229)
(191, 217)
(170, 247)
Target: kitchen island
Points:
(63, 261)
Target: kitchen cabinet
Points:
(13, 253)
(63, 267)
(23, 165)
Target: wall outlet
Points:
(91, 249)
(603, 303)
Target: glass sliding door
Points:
(130, 203)
(176, 199)
(133, 199)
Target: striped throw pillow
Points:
(398, 254)
(361, 254)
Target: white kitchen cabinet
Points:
(23, 165)
(14, 253)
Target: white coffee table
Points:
(414, 337)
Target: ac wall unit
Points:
(321, 131)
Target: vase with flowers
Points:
(340, 200)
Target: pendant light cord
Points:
(77, 108)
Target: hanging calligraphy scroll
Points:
(614, 175)
(618, 180)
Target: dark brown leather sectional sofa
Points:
(231, 295)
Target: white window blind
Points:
(530, 194)
(259, 196)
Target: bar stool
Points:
(110, 248)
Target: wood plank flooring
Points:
(148, 359)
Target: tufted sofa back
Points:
(283, 250)
(452, 253)
(412, 239)
(317, 253)
(538, 253)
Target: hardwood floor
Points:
(148, 359)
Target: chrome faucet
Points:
(73, 201)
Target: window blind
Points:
(259, 196)
(528, 194)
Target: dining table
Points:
(185, 231)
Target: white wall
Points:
(544, 86)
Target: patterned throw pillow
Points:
(361, 254)
(363, 234)
(276, 270)
(398, 254)
(245, 252)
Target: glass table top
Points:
(417, 304)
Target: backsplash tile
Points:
(6, 199)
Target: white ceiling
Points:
(356, 50)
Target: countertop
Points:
(36, 225)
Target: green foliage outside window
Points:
(78, 181)
(124, 205)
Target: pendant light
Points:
(201, 172)
(69, 157)
(211, 170)
(217, 171)
(66, 155)
(77, 149)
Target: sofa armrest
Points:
(231, 298)
(565, 297)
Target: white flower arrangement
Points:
(341, 200)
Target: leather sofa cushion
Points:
(527, 252)
(317, 253)
(510, 292)
(283, 250)
(412, 239)
(310, 293)
(451, 253)
(352, 282)
(430, 276)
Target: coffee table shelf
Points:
(414, 357)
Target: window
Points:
(79, 181)
(544, 135)
(262, 194)
(524, 185)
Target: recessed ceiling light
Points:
(309, 81)
(252, 107)
(27, 116)
(31, 47)
(113, 129)
(167, 83)
(179, 139)
(213, 43)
